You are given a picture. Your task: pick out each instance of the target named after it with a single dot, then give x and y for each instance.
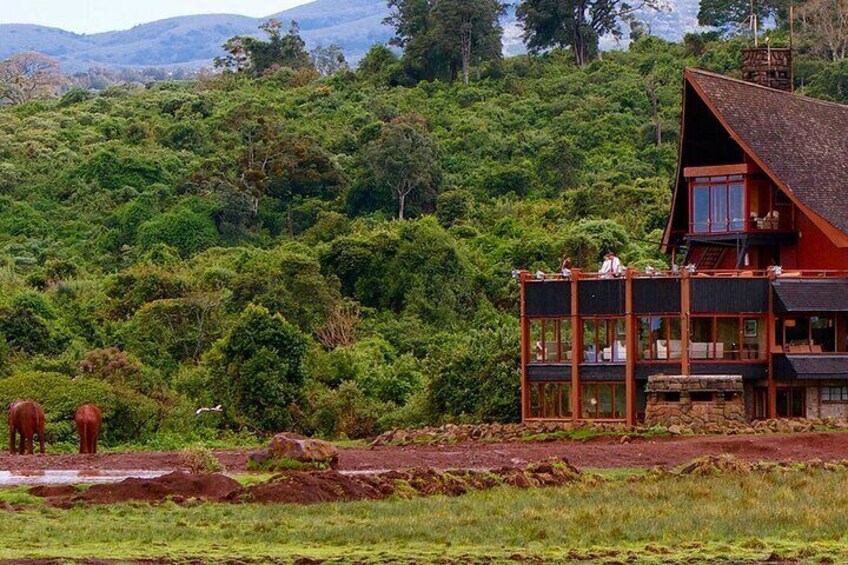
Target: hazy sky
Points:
(91, 16)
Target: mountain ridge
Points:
(194, 41)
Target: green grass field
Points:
(738, 518)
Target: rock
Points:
(675, 429)
(298, 448)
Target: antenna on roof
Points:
(754, 25)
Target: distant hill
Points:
(193, 41)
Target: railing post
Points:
(576, 345)
(631, 349)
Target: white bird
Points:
(200, 411)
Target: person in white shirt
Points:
(611, 267)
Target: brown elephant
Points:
(26, 418)
(88, 419)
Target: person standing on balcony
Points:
(611, 266)
(565, 267)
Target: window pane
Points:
(753, 338)
(797, 335)
(701, 346)
(603, 339)
(565, 340)
(589, 401)
(537, 349)
(590, 352)
(619, 350)
(823, 333)
(675, 341)
(620, 392)
(535, 409)
(605, 401)
(718, 215)
(647, 347)
(701, 208)
(736, 202)
(727, 341)
(551, 344)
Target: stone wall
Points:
(696, 402)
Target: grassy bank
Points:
(798, 514)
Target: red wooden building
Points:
(760, 218)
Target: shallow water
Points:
(73, 477)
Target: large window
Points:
(603, 401)
(834, 394)
(718, 204)
(604, 340)
(727, 338)
(659, 339)
(550, 400)
(807, 334)
(550, 341)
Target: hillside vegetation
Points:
(233, 241)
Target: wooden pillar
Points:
(772, 344)
(576, 345)
(685, 310)
(525, 350)
(631, 346)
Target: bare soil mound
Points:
(177, 486)
(326, 486)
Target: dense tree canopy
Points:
(234, 240)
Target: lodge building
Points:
(760, 218)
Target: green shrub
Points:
(200, 461)
(258, 370)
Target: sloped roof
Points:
(802, 143)
(811, 295)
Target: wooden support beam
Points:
(630, 345)
(576, 345)
(525, 352)
(685, 310)
(772, 344)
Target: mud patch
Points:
(329, 486)
(177, 486)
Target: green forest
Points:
(328, 252)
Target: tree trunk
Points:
(289, 220)
(401, 205)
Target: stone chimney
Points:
(768, 66)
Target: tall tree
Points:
(739, 16)
(287, 167)
(256, 57)
(29, 76)
(403, 159)
(577, 24)
(440, 37)
(824, 25)
(328, 60)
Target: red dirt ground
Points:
(603, 452)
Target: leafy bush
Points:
(200, 461)
(258, 371)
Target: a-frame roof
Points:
(800, 142)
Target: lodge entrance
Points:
(791, 402)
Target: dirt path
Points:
(605, 452)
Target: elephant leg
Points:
(22, 446)
(41, 440)
(12, 439)
(29, 444)
(94, 438)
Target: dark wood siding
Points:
(602, 373)
(745, 370)
(645, 371)
(551, 299)
(601, 297)
(656, 296)
(549, 372)
(729, 296)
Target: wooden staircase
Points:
(711, 258)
